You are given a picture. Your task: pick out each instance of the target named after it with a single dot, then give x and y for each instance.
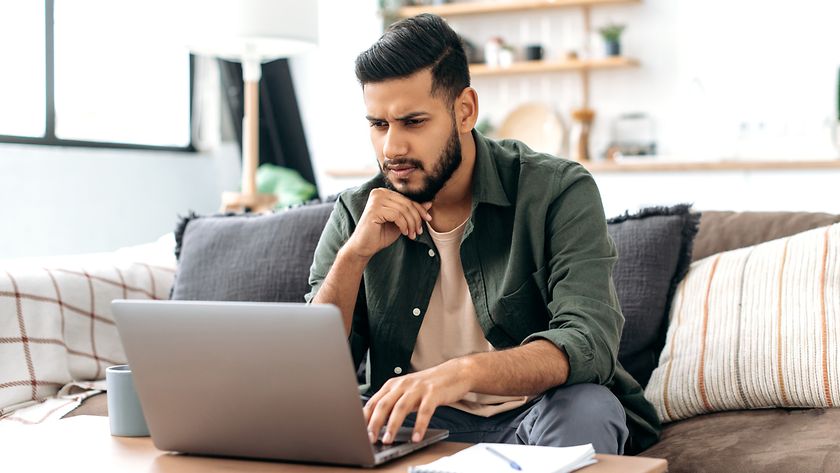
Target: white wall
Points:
(77, 200)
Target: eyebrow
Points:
(403, 118)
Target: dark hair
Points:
(412, 44)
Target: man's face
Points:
(414, 135)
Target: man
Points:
(476, 273)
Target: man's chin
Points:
(403, 186)
(416, 192)
(410, 192)
(413, 193)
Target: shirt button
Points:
(416, 312)
(432, 253)
(397, 370)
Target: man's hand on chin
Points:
(420, 392)
(387, 215)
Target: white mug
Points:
(124, 411)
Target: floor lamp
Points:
(251, 32)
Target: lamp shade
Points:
(254, 30)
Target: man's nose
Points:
(395, 145)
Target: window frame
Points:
(49, 138)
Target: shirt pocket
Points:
(526, 308)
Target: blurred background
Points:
(110, 128)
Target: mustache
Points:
(402, 162)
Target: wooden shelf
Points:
(474, 8)
(654, 165)
(531, 67)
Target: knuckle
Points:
(378, 195)
(403, 405)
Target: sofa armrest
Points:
(723, 231)
(56, 324)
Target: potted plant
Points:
(612, 38)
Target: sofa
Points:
(766, 439)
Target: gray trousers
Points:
(563, 416)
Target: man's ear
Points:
(466, 110)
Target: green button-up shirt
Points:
(538, 262)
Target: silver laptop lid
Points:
(263, 380)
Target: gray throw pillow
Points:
(263, 258)
(654, 253)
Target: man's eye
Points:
(378, 124)
(413, 122)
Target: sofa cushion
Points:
(755, 327)
(724, 231)
(263, 258)
(767, 441)
(654, 251)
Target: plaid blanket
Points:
(55, 407)
(56, 326)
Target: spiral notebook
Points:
(505, 458)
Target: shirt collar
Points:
(486, 183)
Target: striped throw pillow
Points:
(754, 327)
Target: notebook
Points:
(505, 458)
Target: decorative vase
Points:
(580, 133)
(613, 48)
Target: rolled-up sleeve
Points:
(586, 319)
(336, 232)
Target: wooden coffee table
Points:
(84, 443)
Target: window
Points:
(22, 84)
(91, 73)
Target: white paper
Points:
(531, 459)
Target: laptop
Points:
(253, 380)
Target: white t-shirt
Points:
(450, 328)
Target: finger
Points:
(370, 405)
(402, 408)
(380, 414)
(394, 216)
(368, 413)
(412, 207)
(415, 215)
(406, 223)
(407, 207)
(368, 409)
(424, 210)
(421, 423)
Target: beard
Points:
(448, 162)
